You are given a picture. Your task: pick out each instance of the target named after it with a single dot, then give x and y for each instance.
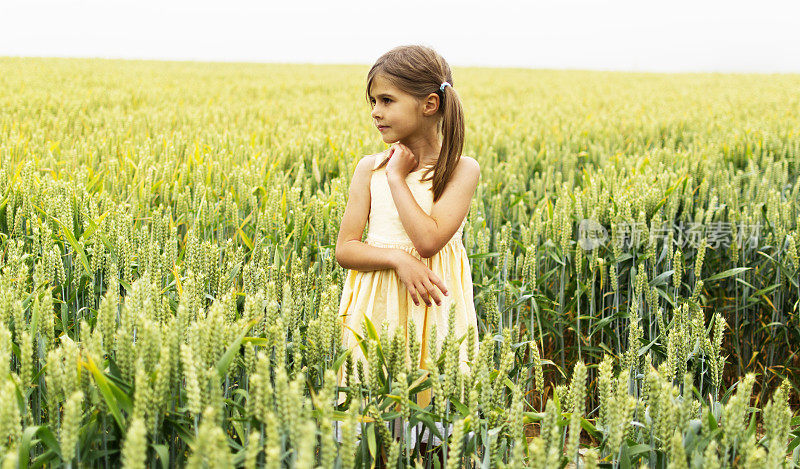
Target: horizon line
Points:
(454, 65)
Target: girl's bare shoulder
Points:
(363, 172)
(470, 161)
(469, 165)
(369, 162)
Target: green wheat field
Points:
(169, 292)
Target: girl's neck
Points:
(426, 151)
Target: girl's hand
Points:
(401, 161)
(419, 279)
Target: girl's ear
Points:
(431, 104)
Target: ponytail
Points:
(452, 139)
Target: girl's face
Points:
(397, 114)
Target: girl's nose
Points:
(375, 112)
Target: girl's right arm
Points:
(351, 252)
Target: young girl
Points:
(416, 195)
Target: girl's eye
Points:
(387, 100)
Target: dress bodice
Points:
(385, 226)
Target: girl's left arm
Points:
(430, 233)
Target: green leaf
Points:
(529, 417)
(483, 255)
(93, 225)
(34, 324)
(591, 429)
(461, 408)
(793, 444)
(233, 349)
(634, 451)
(712, 422)
(727, 273)
(97, 180)
(247, 241)
(163, 455)
(510, 384)
(340, 360)
(75, 246)
(105, 387)
(45, 435)
(25, 447)
(624, 457)
(260, 341)
(428, 422)
(647, 347)
(123, 400)
(43, 459)
(661, 278)
(371, 444)
(372, 333)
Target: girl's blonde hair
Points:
(420, 71)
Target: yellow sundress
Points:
(381, 296)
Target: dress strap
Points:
(378, 157)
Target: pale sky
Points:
(636, 35)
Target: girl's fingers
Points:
(439, 283)
(418, 293)
(414, 297)
(432, 291)
(423, 293)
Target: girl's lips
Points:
(382, 127)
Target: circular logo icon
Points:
(591, 234)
